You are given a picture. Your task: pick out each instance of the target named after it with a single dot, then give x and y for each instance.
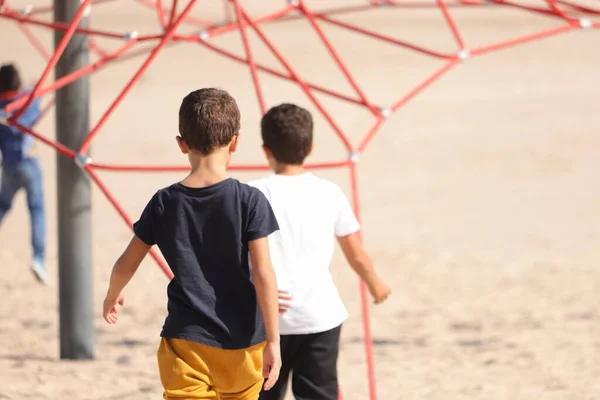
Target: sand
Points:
(479, 204)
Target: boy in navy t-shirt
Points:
(209, 227)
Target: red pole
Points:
(364, 293)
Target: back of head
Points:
(208, 119)
(10, 79)
(287, 131)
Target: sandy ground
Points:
(479, 198)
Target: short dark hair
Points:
(10, 80)
(208, 119)
(287, 131)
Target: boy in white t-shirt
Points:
(311, 212)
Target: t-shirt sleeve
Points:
(261, 218)
(346, 222)
(146, 227)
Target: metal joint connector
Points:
(81, 160)
(463, 54)
(130, 35)
(354, 157)
(585, 23)
(385, 111)
(204, 35)
(27, 10)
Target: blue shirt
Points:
(14, 144)
(203, 233)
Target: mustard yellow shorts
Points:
(193, 371)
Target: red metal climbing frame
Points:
(171, 15)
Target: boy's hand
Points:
(110, 308)
(271, 364)
(379, 290)
(284, 301)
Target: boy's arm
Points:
(265, 283)
(361, 263)
(347, 232)
(126, 266)
(121, 274)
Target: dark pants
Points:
(27, 175)
(312, 361)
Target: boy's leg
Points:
(289, 347)
(9, 186)
(183, 371)
(315, 370)
(34, 186)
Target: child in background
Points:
(207, 227)
(311, 211)
(21, 167)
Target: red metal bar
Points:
(452, 24)
(47, 9)
(522, 39)
(34, 41)
(250, 57)
(371, 134)
(162, 18)
(337, 58)
(409, 96)
(124, 215)
(367, 7)
(173, 12)
(64, 150)
(59, 50)
(169, 33)
(186, 168)
(189, 20)
(227, 11)
(94, 47)
(59, 26)
(364, 294)
(579, 8)
(67, 79)
(556, 9)
(278, 74)
(537, 10)
(383, 38)
(300, 81)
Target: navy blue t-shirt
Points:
(203, 234)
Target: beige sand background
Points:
(480, 205)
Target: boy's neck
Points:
(289, 169)
(207, 170)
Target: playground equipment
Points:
(74, 139)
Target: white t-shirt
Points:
(311, 212)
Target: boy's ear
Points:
(312, 147)
(182, 145)
(234, 143)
